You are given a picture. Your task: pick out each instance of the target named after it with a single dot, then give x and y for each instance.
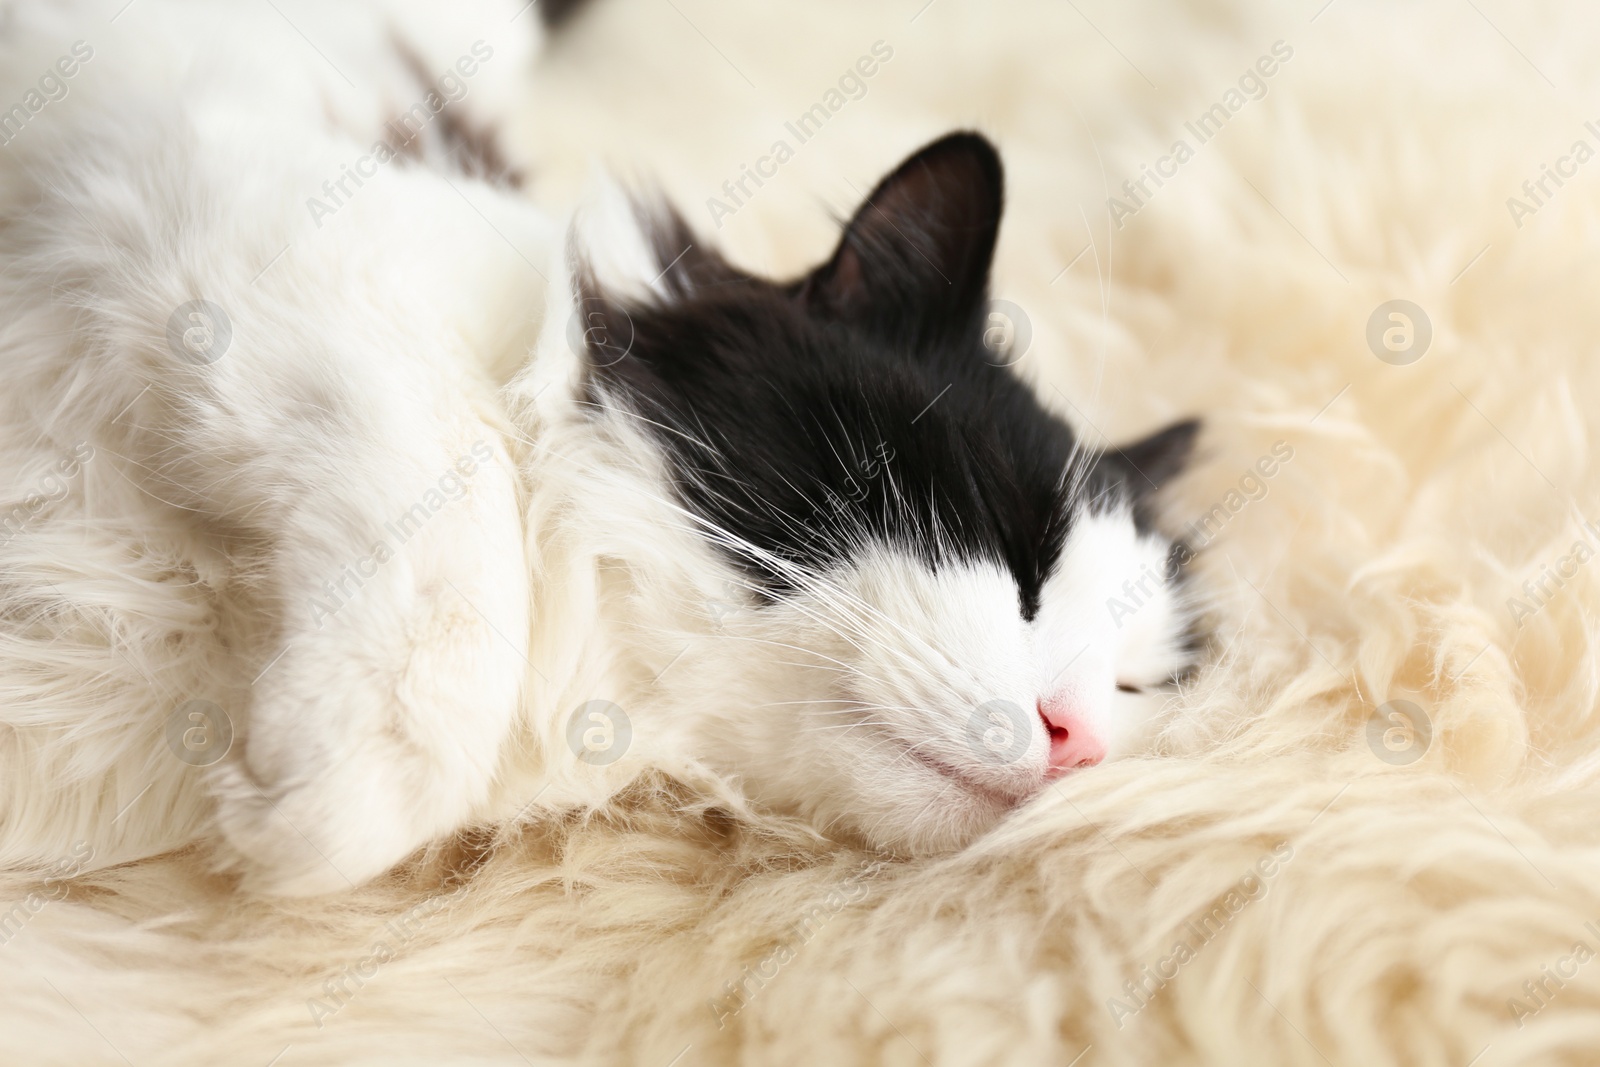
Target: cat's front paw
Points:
(376, 732)
(294, 839)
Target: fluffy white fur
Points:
(258, 482)
(1415, 901)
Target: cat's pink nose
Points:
(1073, 743)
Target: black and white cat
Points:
(461, 513)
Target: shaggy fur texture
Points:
(1339, 904)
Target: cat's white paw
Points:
(299, 842)
(379, 729)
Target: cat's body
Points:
(459, 517)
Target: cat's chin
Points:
(922, 809)
(1006, 795)
(945, 825)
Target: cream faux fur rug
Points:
(1304, 871)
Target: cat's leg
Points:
(380, 704)
(360, 444)
(327, 419)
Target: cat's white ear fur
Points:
(608, 231)
(607, 236)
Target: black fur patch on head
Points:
(858, 406)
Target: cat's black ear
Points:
(913, 265)
(1152, 462)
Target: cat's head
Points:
(907, 596)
